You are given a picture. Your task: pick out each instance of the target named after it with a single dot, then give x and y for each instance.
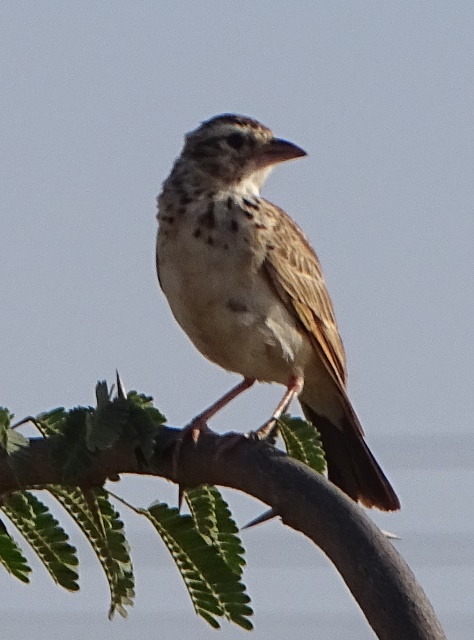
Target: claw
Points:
(269, 430)
(196, 427)
(193, 430)
(199, 424)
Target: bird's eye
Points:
(235, 140)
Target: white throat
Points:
(252, 184)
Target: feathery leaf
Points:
(11, 556)
(214, 588)
(303, 442)
(99, 521)
(47, 539)
(51, 422)
(10, 440)
(70, 452)
(214, 522)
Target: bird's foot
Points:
(268, 432)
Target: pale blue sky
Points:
(96, 98)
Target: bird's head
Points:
(235, 151)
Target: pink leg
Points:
(211, 411)
(198, 424)
(294, 386)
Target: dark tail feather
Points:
(351, 465)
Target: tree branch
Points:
(381, 582)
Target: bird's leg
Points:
(198, 424)
(293, 388)
(268, 430)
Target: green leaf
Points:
(47, 539)
(5, 418)
(52, 422)
(70, 452)
(134, 418)
(11, 556)
(303, 442)
(10, 440)
(145, 418)
(84, 430)
(14, 441)
(99, 521)
(146, 402)
(215, 589)
(106, 425)
(214, 522)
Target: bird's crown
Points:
(231, 149)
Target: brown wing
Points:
(295, 272)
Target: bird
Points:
(246, 286)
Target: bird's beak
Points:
(278, 150)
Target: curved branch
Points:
(381, 582)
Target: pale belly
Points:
(224, 303)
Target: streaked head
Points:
(230, 150)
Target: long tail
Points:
(351, 465)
